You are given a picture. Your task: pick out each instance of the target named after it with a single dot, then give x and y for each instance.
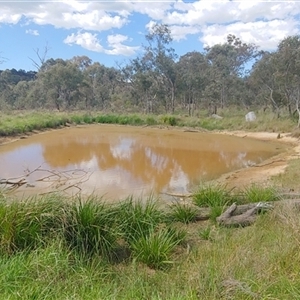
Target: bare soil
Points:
(263, 172)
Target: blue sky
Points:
(114, 31)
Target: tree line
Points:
(158, 81)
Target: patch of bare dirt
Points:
(262, 173)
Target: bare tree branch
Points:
(41, 57)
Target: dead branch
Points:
(178, 195)
(190, 130)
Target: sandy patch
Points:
(263, 172)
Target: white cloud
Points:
(90, 42)
(10, 18)
(255, 20)
(265, 34)
(86, 40)
(118, 48)
(181, 32)
(32, 32)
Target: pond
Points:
(117, 161)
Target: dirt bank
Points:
(263, 172)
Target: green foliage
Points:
(51, 269)
(89, 228)
(155, 248)
(258, 193)
(27, 225)
(210, 195)
(151, 121)
(77, 119)
(214, 196)
(107, 119)
(170, 120)
(205, 233)
(138, 218)
(88, 119)
(183, 213)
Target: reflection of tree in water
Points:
(150, 162)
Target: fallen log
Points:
(247, 216)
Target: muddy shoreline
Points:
(263, 172)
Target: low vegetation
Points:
(54, 248)
(22, 122)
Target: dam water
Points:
(117, 161)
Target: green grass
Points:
(257, 193)
(21, 122)
(90, 229)
(211, 194)
(138, 218)
(62, 244)
(214, 196)
(27, 224)
(155, 248)
(183, 213)
(289, 180)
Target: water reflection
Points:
(118, 161)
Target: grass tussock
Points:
(257, 193)
(213, 196)
(51, 248)
(183, 213)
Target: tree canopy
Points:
(230, 73)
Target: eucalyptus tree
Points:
(288, 71)
(62, 82)
(192, 77)
(227, 62)
(98, 85)
(278, 76)
(154, 73)
(263, 80)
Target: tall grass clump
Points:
(155, 248)
(29, 224)
(170, 120)
(258, 193)
(107, 119)
(90, 228)
(138, 218)
(214, 196)
(151, 121)
(209, 195)
(183, 213)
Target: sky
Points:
(113, 32)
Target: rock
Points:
(250, 116)
(216, 116)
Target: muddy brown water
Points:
(117, 161)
